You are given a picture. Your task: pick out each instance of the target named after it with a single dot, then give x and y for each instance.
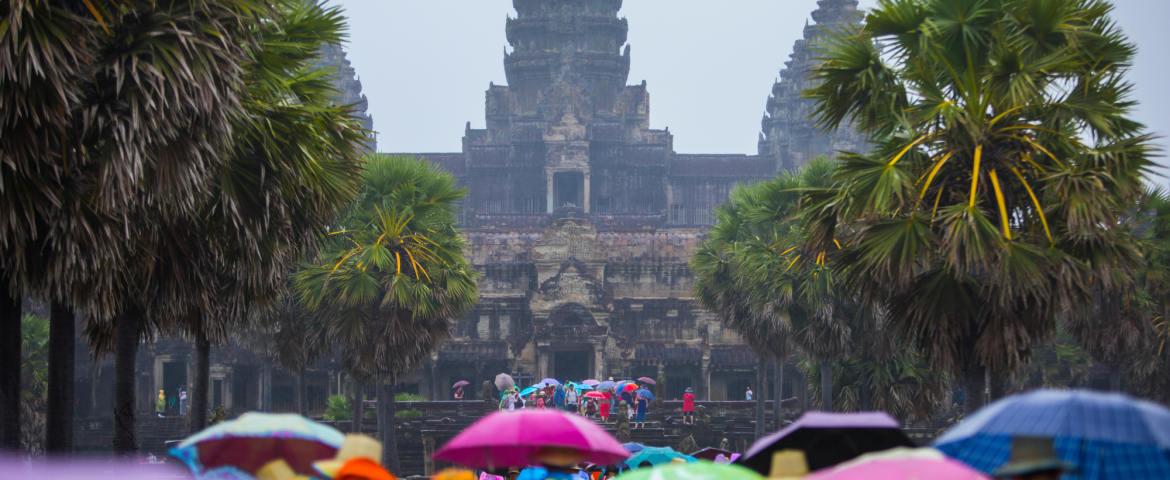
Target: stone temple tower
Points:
(789, 135)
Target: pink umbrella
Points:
(900, 463)
(591, 383)
(507, 439)
(647, 380)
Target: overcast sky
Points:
(709, 64)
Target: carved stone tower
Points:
(789, 134)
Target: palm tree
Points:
(130, 105)
(1004, 157)
(903, 386)
(292, 162)
(393, 279)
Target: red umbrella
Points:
(512, 439)
(594, 395)
(629, 387)
(460, 384)
(647, 380)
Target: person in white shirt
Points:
(571, 400)
(749, 393)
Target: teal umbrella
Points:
(656, 456)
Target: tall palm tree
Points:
(133, 104)
(393, 279)
(293, 160)
(1005, 155)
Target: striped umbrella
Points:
(237, 449)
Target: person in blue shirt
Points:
(640, 419)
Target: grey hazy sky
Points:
(709, 64)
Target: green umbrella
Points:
(692, 471)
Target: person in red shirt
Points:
(689, 407)
(604, 408)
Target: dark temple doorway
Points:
(572, 366)
(174, 376)
(569, 189)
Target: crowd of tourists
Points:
(599, 401)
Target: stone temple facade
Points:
(789, 133)
(582, 218)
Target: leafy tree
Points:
(903, 385)
(1059, 362)
(394, 277)
(1004, 158)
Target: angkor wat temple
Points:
(581, 218)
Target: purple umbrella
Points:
(511, 439)
(647, 380)
(828, 439)
(590, 382)
(460, 384)
(550, 381)
(608, 384)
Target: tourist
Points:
(509, 401)
(571, 400)
(540, 401)
(182, 402)
(1034, 458)
(603, 409)
(749, 393)
(459, 393)
(559, 398)
(640, 419)
(161, 405)
(689, 407)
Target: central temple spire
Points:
(564, 46)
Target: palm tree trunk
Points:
(266, 387)
(125, 359)
(302, 394)
(761, 394)
(10, 336)
(59, 406)
(358, 394)
(387, 409)
(826, 386)
(201, 386)
(1115, 378)
(866, 395)
(974, 386)
(998, 387)
(779, 393)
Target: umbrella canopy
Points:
(606, 385)
(550, 381)
(594, 395)
(579, 387)
(692, 471)
(539, 385)
(84, 469)
(710, 453)
(633, 447)
(460, 384)
(656, 456)
(506, 439)
(590, 382)
(504, 382)
(900, 464)
(647, 380)
(828, 439)
(629, 387)
(244, 445)
(1106, 435)
(645, 394)
(528, 391)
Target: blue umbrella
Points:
(1106, 435)
(645, 394)
(579, 387)
(656, 456)
(528, 391)
(606, 385)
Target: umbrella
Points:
(590, 382)
(828, 439)
(605, 385)
(645, 394)
(528, 391)
(710, 453)
(580, 387)
(510, 439)
(633, 447)
(237, 449)
(647, 380)
(550, 381)
(900, 463)
(656, 456)
(460, 384)
(539, 385)
(693, 471)
(504, 382)
(1107, 435)
(629, 387)
(84, 469)
(594, 395)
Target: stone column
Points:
(549, 174)
(598, 361)
(586, 202)
(705, 381)
(542, 354)
(428, 452)
(435, 387)
(479, 366)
